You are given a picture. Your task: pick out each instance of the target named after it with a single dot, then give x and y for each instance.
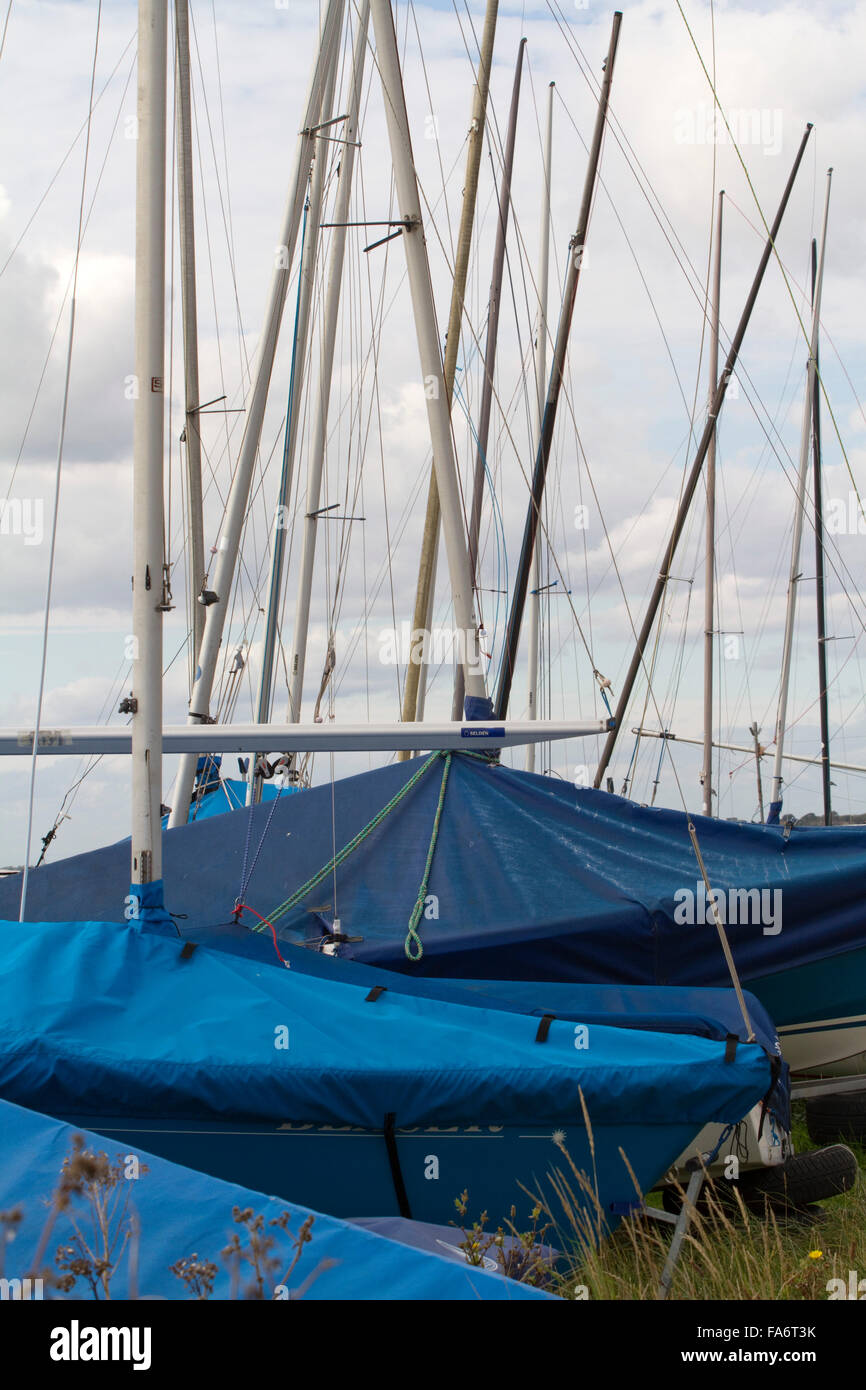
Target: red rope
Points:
(244, 907)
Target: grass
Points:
(727, 1254)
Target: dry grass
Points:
(728, 1253)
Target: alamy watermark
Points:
(735, 906)
(854, 1288)
(704, 125)
(844, 516)
(23, 517)
(418, 646)
(20, 1290)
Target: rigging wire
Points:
(85, 126)
(5, 28)
(57, 476)
(791, 295)
(60, 312)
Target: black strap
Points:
(767, 1102)
(374, 993)
(731, 1047)
(189, 949)
(544, 1027)
(396, 1174)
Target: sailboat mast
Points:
(819, 568)
(293, 418)
(493, 305)
(694, 474)
(754, 731)
(186, 218)
(415, 687)
(515, 616)
(149, 593)
(316, 462)
(229, 543)
(710, 571)
(436, 392)
(799, 512)
(541, 382)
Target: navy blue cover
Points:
(182, 1212)
(533, 879)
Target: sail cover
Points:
(181, 1213)
(530, 878)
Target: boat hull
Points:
(818, 1010)
(345, 1170)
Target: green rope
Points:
(413, 946)
(353, 844)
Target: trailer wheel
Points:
(801, 1180)
(792, 1187)
(841, 1117)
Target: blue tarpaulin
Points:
(705, 1013)
(242, 1068)
(180, 1213)
(531, 878)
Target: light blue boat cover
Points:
(230, 794)
(101, 1019)
(182, 1212)
(531, 879)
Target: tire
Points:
(802, 1180)
(841, 1117)
(798, 1183)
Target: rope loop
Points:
(413, 945)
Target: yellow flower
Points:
(816, 1254)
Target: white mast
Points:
(229, 543)
(710, 570)
(150, 597)
(186, 218)
(438, 412)
(541, 385)
(302, 336)
(316, 461)
(799, 509)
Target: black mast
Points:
(518, 602)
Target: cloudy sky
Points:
(636, 374)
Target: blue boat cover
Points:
(531, 879)
(99, 1019)
(181, 1212)
(230, 794)
(706, 1013)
